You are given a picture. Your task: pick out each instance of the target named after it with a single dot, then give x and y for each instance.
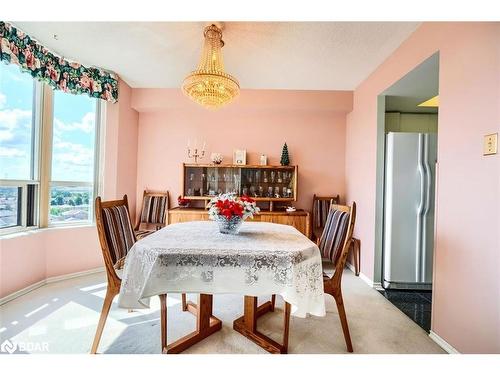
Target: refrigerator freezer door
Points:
(405, 204)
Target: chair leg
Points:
(356, 254)
(273, 302)
(184, 302)
(106, 306)
(163, 320)
(286, 331)
(343, 320)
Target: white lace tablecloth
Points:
(193, 257)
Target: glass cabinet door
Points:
(211, 181)
(267, 182)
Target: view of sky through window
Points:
(73, 137)
(16, 112)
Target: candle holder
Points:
(195, 154)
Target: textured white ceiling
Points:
(261, 55)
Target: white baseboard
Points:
(54, 279)
(46, 281)
(366, 279)
(363, 277)
(21, 292)
(442, 343)
(351, 267)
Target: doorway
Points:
(406, 175)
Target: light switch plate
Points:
(490, 144)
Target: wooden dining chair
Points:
(153, 213)
(320, 208)
(116, 237)
(334, 245)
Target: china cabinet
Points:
(264, 183)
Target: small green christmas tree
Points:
(285, 160)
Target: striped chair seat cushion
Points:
(119, 232)
(154, 208)
(332, 240)
(141, 233)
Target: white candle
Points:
(195, 143)
(188, 143)
(204, 143)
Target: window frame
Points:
(23, 184)
(41, 164)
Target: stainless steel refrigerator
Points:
(410, 166)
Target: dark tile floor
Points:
(415, 304)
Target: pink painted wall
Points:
(69, 250)
(120, 164)
(260, 121)
(29, 257)
(466, 310)
(22, 261)
(26, 258)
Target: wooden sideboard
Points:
(299, 219)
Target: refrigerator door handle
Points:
(425, 214)
(420, 209)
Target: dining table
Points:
(263, 259)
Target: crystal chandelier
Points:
(209, 85)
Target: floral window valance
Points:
(18, 48)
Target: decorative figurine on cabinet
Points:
(285, 159)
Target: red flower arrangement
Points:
(183, 202)
(229, 206)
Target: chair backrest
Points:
(321, 206)
(154, 208)
(115, 231)
(337, 235)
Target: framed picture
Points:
(240, 157)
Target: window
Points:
(73, 158)
(18, 148)
(66, 168)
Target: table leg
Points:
(247, 325)
(206, 324)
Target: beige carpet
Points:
(62, 317)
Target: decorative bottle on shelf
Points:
(263, 159)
